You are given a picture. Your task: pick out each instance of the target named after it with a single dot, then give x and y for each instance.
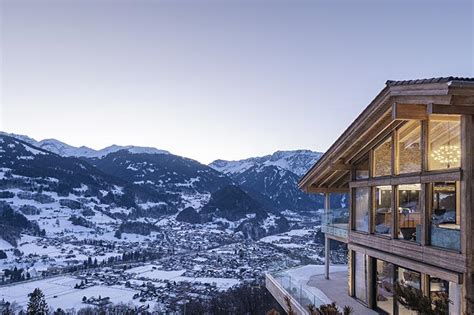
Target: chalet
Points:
(407, 166)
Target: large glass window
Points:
(409, 212)
(383, 158)
(445, 216)
(383, 210)
(362, 209)
(408, 278)
(445, 143)
(409, 148)
(384, 287)
(361, 276)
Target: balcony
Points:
(307, 285)
(335, 222)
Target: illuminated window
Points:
(383, 158)
(409, 148)
(444, 143)
(383, 210)
(362, 209)
(409, 212)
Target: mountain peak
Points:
(64, 149)
(296, 161)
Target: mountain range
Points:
(137, 184)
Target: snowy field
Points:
(153, 273)
(60, 292)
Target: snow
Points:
(64, 149)
(130, 167)
(153, 272)
(189, 183)
(299, 232)
(290, 245)
(60, 292)
(3, 170)
(197, 200)
(274, 238)
(5, 245)
(221, 283)
(33, 150)
(297, 161)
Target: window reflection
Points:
(439, 289)
(409, 148)
(361, 276)
(384, 286)
(383, 158)
(409, 212)
(383, 210)
(362, 209)
(408, 278)
(445, 216)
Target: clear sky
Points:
(216, 79)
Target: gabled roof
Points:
(330, 171)
(430, 80)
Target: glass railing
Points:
(298, 290)
(335, 222)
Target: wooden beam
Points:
(326, 190)
(409, 111)
(407, 255)
(341, 167)
(438, 109)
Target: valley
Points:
(144, 227)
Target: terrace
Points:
(308, 285)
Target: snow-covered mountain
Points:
(297, 161)
(191, 181)
(65, 149)
(128, 190)
(272, 179)
(179, 183)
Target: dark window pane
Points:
(383, 210)
(409, 212)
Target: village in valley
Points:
(79, 266)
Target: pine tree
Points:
(37, 303)
(59, 311)
(414, 299)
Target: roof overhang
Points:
(398, 101)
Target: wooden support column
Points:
(395, 213)
(467, 207)
(327, 249)
(425, 284)
(371, 282)
(425, 196)
(351, 273)
(327, 241)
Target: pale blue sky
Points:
(216, 79)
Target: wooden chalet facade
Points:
(407, 165)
